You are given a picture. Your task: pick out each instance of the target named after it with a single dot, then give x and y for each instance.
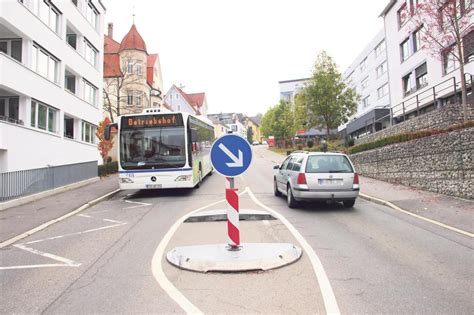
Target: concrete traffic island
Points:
(219, 258)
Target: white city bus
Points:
(163, 150)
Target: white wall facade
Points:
(289, 88)
(177, 102)
(398, 68)
(366, 78)
(23, 146)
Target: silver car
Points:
(316, 176)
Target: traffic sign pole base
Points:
(250, 257)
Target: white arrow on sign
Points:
(237, 161)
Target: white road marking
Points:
(65, 262)
(157, 268)
(45, 225)
(329, 298)
(140, 204)
(391, 205)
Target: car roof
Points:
(317, 153)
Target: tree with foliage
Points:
(104, 145)
(325, 100)
(249, 134)
(445, 31)
(279, 121)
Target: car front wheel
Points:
(292, 203)
(275, 188)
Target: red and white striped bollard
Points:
(232, 215)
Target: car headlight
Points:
(126, 180)
(183, 178)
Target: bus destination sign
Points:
(150, 121)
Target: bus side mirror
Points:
(107, 130)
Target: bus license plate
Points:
(153, 186)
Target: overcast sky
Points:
(236, 51)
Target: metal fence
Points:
(418, 103)
(23, 183)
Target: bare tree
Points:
(116, 88)
(445, 28)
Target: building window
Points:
(381, 69)
(363, 65)
(138, 68)
(71, 39)
(405, 49)
(92, 14)
(89, 92)
(449, 62)
(47, 13)
(70, 82)
(45, 64)
(11, 47)
(90, 53)
(130, 98)
(469, 47)
(88, 132)
(9, 109)
(380, 48)
(138, 100)
(416, 40)
(407, 84)
(365, 102)
(43, 116)
(421, 74)
(382, 91)
(365, 83)
(68, 127)
(402, 15)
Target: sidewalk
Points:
(452, 211)
(17, 220)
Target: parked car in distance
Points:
(255, 143)
(306, 176)
(264, 142)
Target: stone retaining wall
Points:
(440, 118)
(441, 163)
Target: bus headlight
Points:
(183, 178)
(125, 180)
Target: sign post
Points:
(231, 156)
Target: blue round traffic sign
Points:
(231, 155)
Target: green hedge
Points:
(403, 137)
(109, 168)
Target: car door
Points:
(281, 175)
(289, 170)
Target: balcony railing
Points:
(11, 120)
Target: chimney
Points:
(110, 30)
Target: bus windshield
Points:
(152, 148)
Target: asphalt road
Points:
(377, 260)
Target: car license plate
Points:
(153, 186)
(329, 181)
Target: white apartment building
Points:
(368, 76)
(289, 88)
(50, 84)
(416, 78)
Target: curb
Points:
(395, 207)
(49, 223)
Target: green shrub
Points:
(108, 168)
(403, 137)
(310, 143)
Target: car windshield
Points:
(328, 164)
(161, 147)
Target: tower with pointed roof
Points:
(132, 76)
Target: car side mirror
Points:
(276, 167)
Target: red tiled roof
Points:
(197, 99)
(110, 45)
(133, 40)
(112, 66)
(150, 64)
